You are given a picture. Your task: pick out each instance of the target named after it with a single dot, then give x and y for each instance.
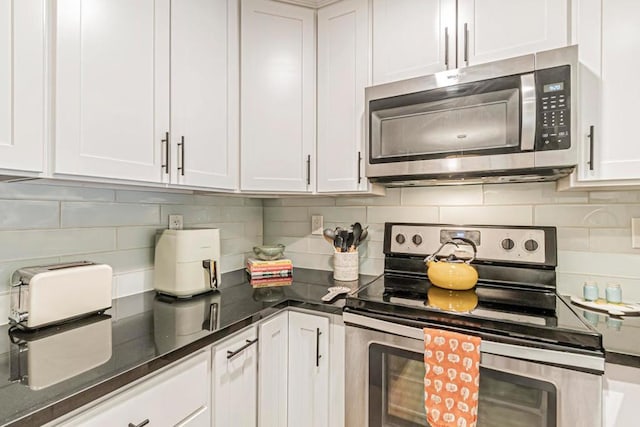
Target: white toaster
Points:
(50, 294)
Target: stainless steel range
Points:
(541, 365)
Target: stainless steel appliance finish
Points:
(510, 120)
(536, 352)
(524, 386)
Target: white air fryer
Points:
(187, 262)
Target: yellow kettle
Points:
(452, 272)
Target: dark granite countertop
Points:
(620, 335)
(138, 335)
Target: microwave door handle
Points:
(528, 105)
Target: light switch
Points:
(317, 223)
(635, 233)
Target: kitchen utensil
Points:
(452, 272)
(334, 291)
(350, 240)
(269, 252)
(337, 242)
(364, 234)
(329, 234)
(345, 239)
(357, 232)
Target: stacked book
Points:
(270, 273)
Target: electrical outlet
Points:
(317, 224)
(175, 222)
(635, 233)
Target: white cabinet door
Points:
(178, 396)
(410, 38)
(489, 30)
(277, 96)
(308, 370)
(273, 350)
(621, 396)
(112, 88)
(609, 39)
(343, 72)
(22, 84)
(205, 93)
(235, 376)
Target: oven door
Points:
(385, 377)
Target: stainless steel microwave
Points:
(511, 120)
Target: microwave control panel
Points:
(554, 108)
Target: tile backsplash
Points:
(594, 228)
(43, 223)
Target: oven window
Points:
(396, 394)
(473, 118)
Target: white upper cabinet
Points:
(205, 93)
(343, 73)
(112, 88)
(22, 84)
(609, 38)
(278, 88)
(418, 37)
(412, 38)
(490, 30)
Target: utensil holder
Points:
(345, 266)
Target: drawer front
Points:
(178, 396)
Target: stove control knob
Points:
(400, 238)
(417, 239)
(508, 244)
(531, 245)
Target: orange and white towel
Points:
(452, 379)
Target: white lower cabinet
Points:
(308, 370)
(178, 396)
(621, 396)
(235, 378)
(273, 374)
(301, 359)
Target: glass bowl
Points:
(269, 252)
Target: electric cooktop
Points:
(515, 295)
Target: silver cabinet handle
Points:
(446, 47)
(359, 167)
(466, 43)
(309, 169)
(591, 142)
(142, 424)
(165, 142)
(181, 145)
(318, 356)
(230, 353)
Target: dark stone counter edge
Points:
(86, 396)
(235, 278)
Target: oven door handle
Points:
(534, 354)
(528, 100)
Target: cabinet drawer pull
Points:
(142, 424)
(230, 353)
(591, 137)
(446, 48)
(318, 356)
(181, 145)
(466, 43)
(309, 169)
(165, 142)
(359, 167)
